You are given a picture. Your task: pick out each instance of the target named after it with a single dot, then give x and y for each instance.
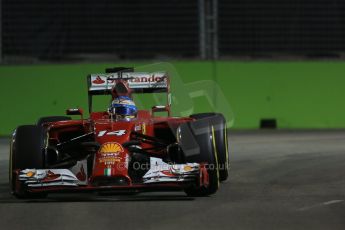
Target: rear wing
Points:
(138, 82)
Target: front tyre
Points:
(26, 152)
(197, 141)
(221, 137)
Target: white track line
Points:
(320, 205)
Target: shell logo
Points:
(30, 173)
(111, 147)
(187, 168)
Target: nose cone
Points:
(111, 165)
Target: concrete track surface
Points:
(279, 180)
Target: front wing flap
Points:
(48, 177)
(163, 172)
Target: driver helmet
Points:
(123, 108)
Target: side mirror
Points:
(160, 108)
(75, 111)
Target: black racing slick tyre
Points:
(26, 152)
(43, 120)
(220, 129)
(197, 143)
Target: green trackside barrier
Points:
(296, 94)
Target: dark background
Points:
(135, 29)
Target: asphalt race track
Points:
(279, 180)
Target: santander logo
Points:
(135, 80)
(98, 81)
(81, 175)
(148, 79)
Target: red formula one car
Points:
(113, 150)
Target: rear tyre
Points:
(26, 152)
(197, 142)
(219, 123)
(43, 120)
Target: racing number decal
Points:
(117, 133)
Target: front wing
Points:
(160, 176)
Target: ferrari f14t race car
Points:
(121, 148)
